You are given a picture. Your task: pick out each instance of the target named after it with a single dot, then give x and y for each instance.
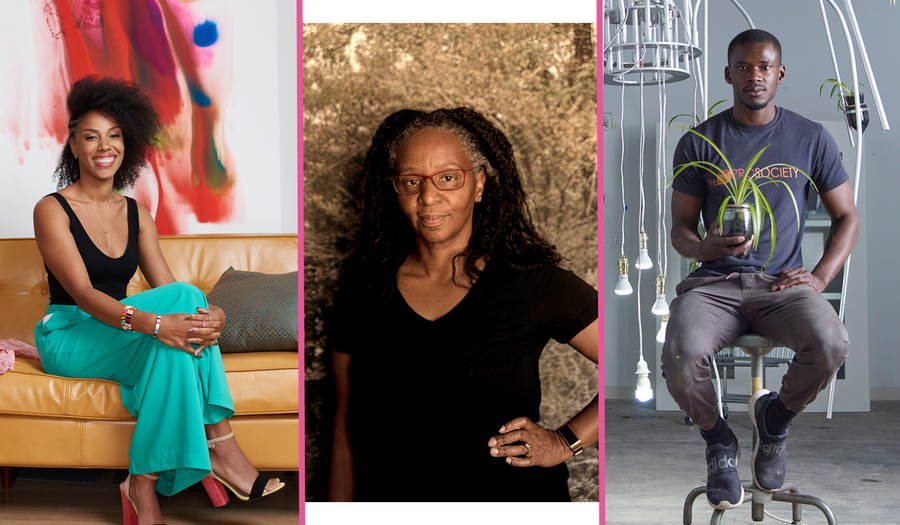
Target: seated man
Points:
(731, 293)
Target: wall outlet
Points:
(608, 123)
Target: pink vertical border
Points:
(600, 383)
(300, 302)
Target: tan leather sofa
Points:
(52, 421)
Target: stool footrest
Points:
(758, 499)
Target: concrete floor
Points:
(852, 462)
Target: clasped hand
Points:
(183, 330)
(547, 448)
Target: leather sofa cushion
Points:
(24, 291)
(202, 260)
(199, 260)
(261, 383)
(270, 442)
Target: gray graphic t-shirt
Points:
(792, 140)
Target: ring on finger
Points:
(527, 449)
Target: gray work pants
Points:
(710, 312)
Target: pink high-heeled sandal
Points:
(129, 509)
(214, 490)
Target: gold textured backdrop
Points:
(536, 83)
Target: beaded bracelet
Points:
(125, 318)
(156, 328)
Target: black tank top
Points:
(108, 275)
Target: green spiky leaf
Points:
(749, 187)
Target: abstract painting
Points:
(209, 65)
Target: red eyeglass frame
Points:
(432, 176)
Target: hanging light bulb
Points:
(660, 307)
(623, 287)
(643, 392)
(661, 335)
(644, 262)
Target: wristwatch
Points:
(571, 439)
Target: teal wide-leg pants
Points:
(171, 393)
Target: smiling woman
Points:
(107, 113)
(98, 140)
(161, 347)
(445, 305)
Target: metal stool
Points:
(758, 346)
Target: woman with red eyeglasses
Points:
(446, 302)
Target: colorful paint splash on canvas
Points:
(182, 54)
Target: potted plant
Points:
(745, 209)
(846, 102)
(709, 113)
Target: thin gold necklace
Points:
(105, 229)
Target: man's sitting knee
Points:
(677, 372)
(830, 346)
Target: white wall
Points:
(287, 103)
(798, 25)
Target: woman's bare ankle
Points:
(143, 493)
(217, 430)
(229, 461)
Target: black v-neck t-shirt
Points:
(107, 274)
(427, 396)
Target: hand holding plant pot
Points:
(716, 245)
(745, 198)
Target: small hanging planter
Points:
(850, 111)
(845, 103)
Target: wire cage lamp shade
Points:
(649, 44)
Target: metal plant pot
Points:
(850, 112)
(737, 221)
